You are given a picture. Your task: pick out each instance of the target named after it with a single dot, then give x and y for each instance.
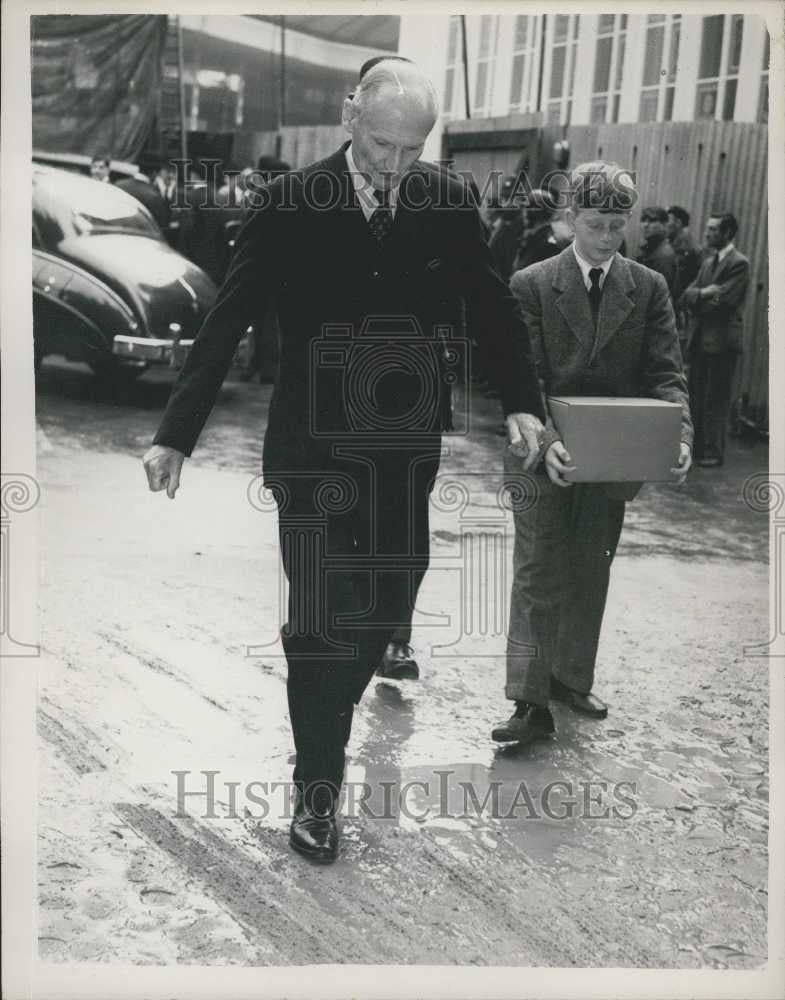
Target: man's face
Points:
(652, 227)
(713, 236)
(99, 170)
(598, 235)
(674, 226)
(388, 135)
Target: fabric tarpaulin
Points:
(95, 82)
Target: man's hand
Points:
(162, 466)
(685, 461)
(557, 462)
(525, 428)
(710, 291)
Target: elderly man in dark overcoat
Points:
(368, 254)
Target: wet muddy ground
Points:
(636, 841)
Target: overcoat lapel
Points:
(572, 299)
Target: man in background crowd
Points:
(100, 169)
(688, 257)
(715, 301)
(656, 251)
(540, 238)
(688, 260)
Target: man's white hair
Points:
(398, 76)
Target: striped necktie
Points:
(382, 219)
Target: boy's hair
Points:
(605, 186)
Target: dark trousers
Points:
(565, 541)
(355, 545)
(710, 381)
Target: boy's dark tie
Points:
(595, 292)
(382, 219)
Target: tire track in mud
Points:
(72, 748)
(156, 664)
(292, 923)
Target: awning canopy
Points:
(368, 30)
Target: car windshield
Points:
(66, 205)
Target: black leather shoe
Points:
(314, 831)
(586, 704)
(397, 663)
(526, 724)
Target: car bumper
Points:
(158, 351)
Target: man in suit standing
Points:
(656, 251)
(368, 254)
(600, 325)
(715, 300)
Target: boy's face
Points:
(598, 235)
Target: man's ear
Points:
(569, 218)
(348, 114)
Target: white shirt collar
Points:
(722, 254)
(365, 196)
(586, 266)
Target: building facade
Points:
(583, 68)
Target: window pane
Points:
(557, 71)
(449, 81)
(516, 86)
(554, 112)
(763, 102)
(616, 103)
(521, 32)
(482, 77)
(624, 22)
(656, 18)
(452, 45)
(560, 28)
(706, 102)
(606, 23)
(673, 57)
(485, 35)
(620, 61)
(734, 52)
(767, 50)
(711, 46)
(602, 65)
(576, 25)
(730, 100)
(598, 108)
(655, 38)
(648, 111)
(669, 94)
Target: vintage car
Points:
(107, 288)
